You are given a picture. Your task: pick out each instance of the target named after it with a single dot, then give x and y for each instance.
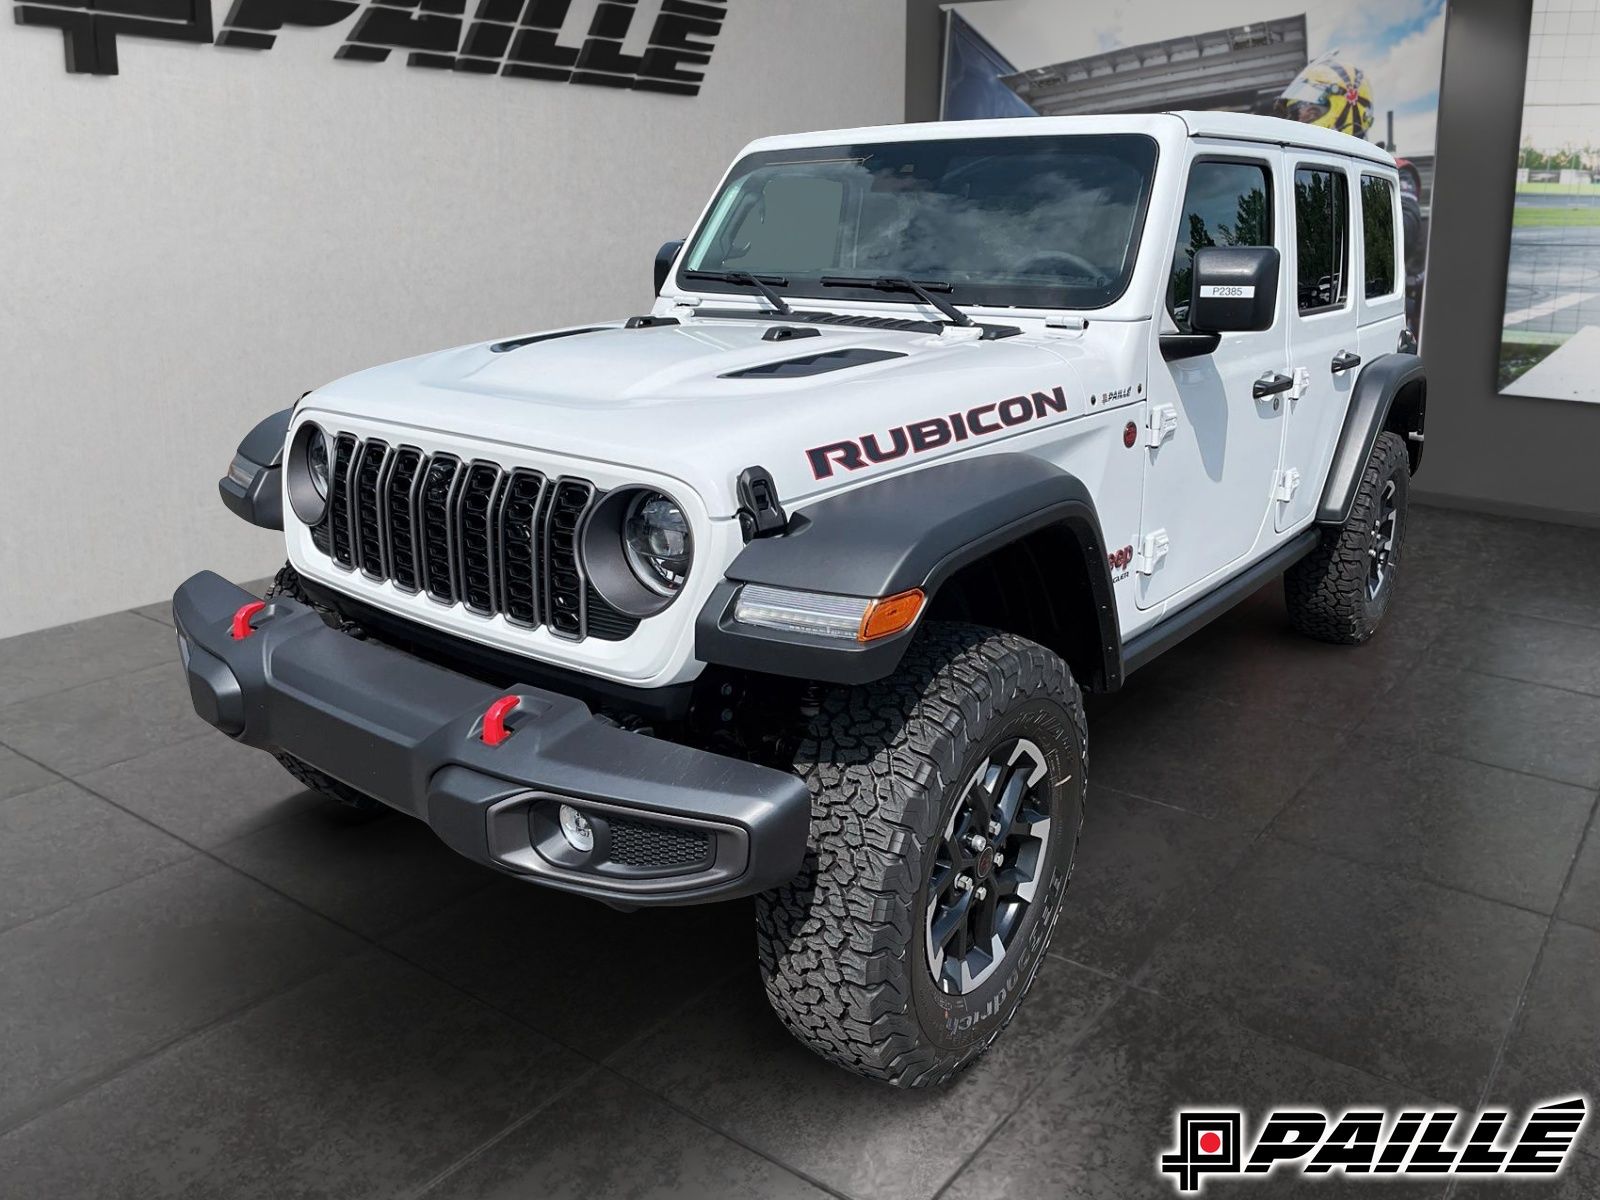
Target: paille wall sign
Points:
(517, 38)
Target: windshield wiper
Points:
(745, 279)
(895, 283)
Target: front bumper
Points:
(672, 825)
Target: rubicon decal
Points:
(919, 436)
(1373, 1143)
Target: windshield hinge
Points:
(760, 513)
(1064, 321)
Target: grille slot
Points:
(498, 542)
(476, 546)
(645, 844)
(438, 487)
(400, 509)
(339, 501)
(372, 551)
(519, 575)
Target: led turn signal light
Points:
(890, 615)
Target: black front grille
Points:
(644, 844)
(496, 542)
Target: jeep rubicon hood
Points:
(702, 400)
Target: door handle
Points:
(1345, 361)
(1271, 384)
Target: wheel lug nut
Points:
(977, 844)
(999, 860)
(982, 893)
(994, 828)
(963, 883)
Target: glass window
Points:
(1321, 202)
(1228, 204)
(1034, 221)
(1377, 230)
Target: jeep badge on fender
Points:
(789, 588)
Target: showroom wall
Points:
(1505, 454)
(196, 240)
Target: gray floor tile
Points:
(1555, 1051)
(1498, 833)
(97, 724)
(18, 775)
(371, 871)
(1254, 658)
(588, 975)
(1140, 867)
(59, 844)
(1554, 653)
(1581, 901)
(1402, 978)
(206, 790)
(53, 660)
(88, 989)
(731, 1063)
(632, 1146)
(1204, 755)
(1497, 721)
(365, 1082)
(1095, 1130)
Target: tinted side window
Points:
(1321, 207)
(1377, 230)
(1228, 204)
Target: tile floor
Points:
(1310, 874)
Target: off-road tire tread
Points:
(836, 943)
(287, 583)
(1326, 592)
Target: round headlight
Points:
(317, 458)
(657, 542)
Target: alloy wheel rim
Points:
(988, 866)
(1380, 555)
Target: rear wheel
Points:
(1342, 589)
(947, 801)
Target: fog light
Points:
(576, 829)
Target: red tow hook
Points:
(241, 619)
(494, 720)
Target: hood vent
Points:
(815, 364)
(518, 343)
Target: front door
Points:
(1211, 448)
(1323, 342)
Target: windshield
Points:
(1030, 221)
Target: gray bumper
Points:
(672, 825)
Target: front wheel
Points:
(947, 801)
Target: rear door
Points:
(1211, 448)
(1380, 248)
(1323, 344)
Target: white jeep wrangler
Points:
(788, 588)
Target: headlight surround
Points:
(319, 456)
(657, 542)
(308, 467)
(638, 549)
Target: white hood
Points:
(669, 398)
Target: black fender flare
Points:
(260, 461)
(907, 531)
(1371, 411)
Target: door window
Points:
(1322, 240)
(1377, 232)
(1229, 203)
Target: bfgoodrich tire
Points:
(946, 804)
(1342, 589)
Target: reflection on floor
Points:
(1310, 875)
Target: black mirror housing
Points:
(1235, 289)
(664, 260)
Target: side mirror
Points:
(1235, 289)
(665, 257)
